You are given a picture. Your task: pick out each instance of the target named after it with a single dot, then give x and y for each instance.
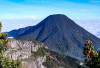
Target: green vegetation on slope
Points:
(40, 52)
(55, 59)
(5, 62)
(36, 42)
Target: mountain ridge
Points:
(61, 34)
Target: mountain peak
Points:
(56, 19)
(58, 15)
(55, 16)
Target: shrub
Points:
(5, 62)
(92, 58)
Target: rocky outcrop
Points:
(34, 62)
(22, 50)
(33, 54)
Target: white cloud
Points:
(32, 17)
(91, 25)
(9, 25)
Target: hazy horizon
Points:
(17, 14)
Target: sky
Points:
(17, 9)
(21, 13)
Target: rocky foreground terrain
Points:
(33, 54)
(23, 50)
